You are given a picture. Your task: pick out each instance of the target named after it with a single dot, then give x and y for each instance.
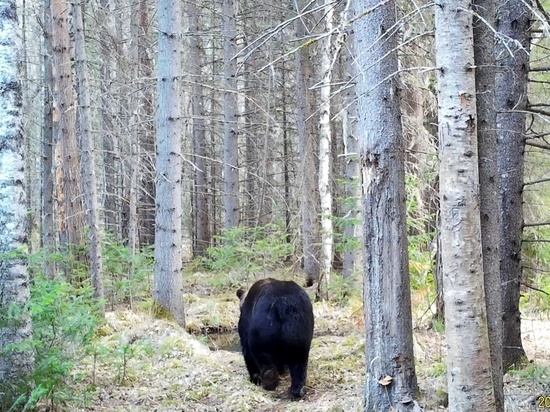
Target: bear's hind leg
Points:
(268, 371)
(253, 370)
(298, 372)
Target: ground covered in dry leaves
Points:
(146, 364)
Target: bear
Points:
(276, 328)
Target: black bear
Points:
(276, 328)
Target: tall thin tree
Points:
(168, 284)
(352, 255)
(200, 198)
(69, 190)
(390, 375)
(48, 220)
(325, 142)
(488, 181)
(512, 55)
(230, 126)
(95, 228)
(308, 149)
(468, 357)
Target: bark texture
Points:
(488, 181)
(387, 302)
(48, 220)
(69, 190)
(513, 22)
(168, 284)
(308, 168)
(230, 127)
(89, 184)
(15, 363)
(352, 255)
(200, 199)
(325, 142)
(468, 360)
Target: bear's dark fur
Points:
(276, 328)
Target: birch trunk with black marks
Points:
(16, 363)
(468, 356)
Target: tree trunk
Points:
(387, 300)
(352, 254)
(135, 122)
(146, 149)
(488, 182)
(325, 140)
(95, 233)
(308, 169)
(230, 127)
(17, 363)
(109, 199)
(468, 355)
(168, 285)
(48, 221)
(201, 217)
(513, 22)
(69, 193)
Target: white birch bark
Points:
(14, 276)
(168, 285)
(468, 359)
(325, 140)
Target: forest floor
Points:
(146, 364)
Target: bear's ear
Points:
(240, 293)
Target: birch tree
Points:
(168, 284)
(15, 363)
(468, 360)
(325, 140)
(512, 55)
(390, 372)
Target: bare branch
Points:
(536, 224)
(528, 285)
(534, 182)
